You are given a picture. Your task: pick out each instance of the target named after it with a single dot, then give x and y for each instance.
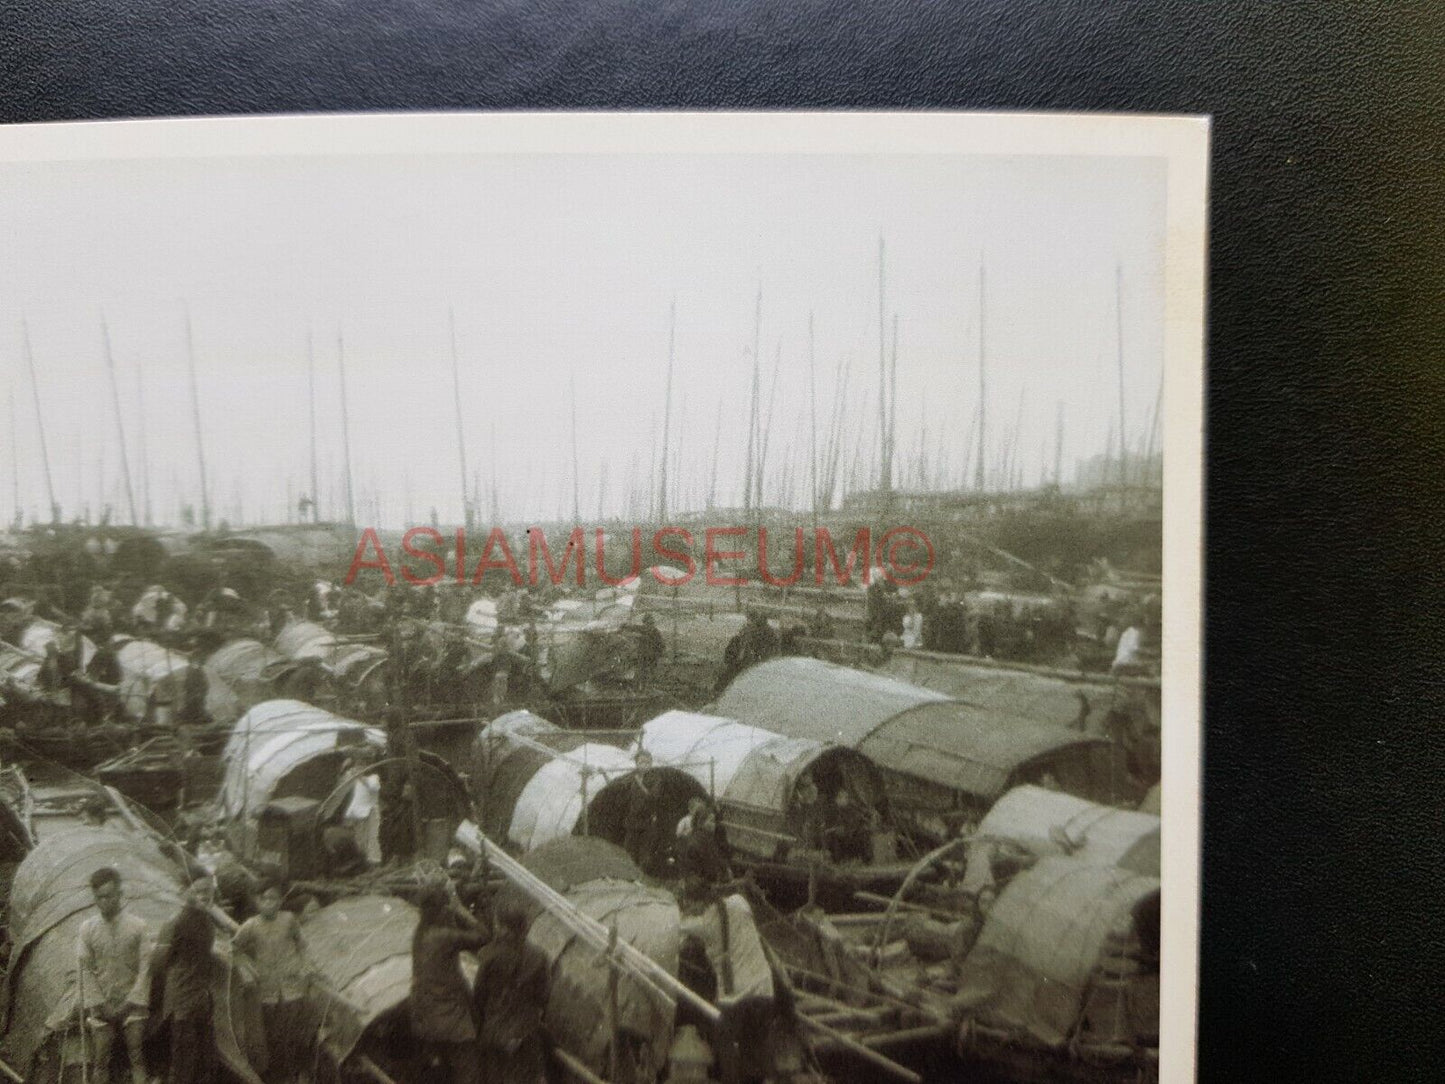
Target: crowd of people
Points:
(139, 984)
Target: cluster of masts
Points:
(836, 465)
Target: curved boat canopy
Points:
(237, 674)
(361, 948)
(539, 783)
(900, 727)
(273, 741)
(534, 794)
(305, 640)
(645, 917)
(1060, 936)
(746, 764)
(1048, 822)
(1011, 696)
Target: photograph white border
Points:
(1183, 142)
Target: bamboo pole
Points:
(39, 421)
(666, 412)
(812, 424)
(196, 420)
(311, 410)
(885, 475)
(716, 450)
(888, 1065)
(893, 400)
(766, 430)
(576, 460)
(345, 431)
(457, 402)
(753, 403)
(119, 422)
(17, 517)
(145, 466)
(980, 477)
(1119, 352)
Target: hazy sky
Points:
(560, 267)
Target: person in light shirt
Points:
(272, 941)
(114, 982)
(1130, 656)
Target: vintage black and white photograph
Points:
(607, 599)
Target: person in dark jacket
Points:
(511, 1002)
(650, 648)
(194, 688)
(642, 826)
(94, 694)
(182, 969)
(700, 854)
(440, 1003)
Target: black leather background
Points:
(1323, 950)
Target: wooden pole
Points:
(753, 403)
(893, 402)
(765, 430)
(18, 517)
(40, 422)
(496, 499)
(145, 467)
(885, 475)
(119, 422)
(1119, 350)
(1059, 447)
(457, 402)
(812, 424)
(716, 450)
(345, 431)
(196, 420)
(576, 460)
(311, 402)
(667, 414)
(979, 477)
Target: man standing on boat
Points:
(511, 996)
(114, 947)
(183, 963)
(643, 823)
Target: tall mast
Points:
(311, 404)
(196, 419)
(812, 424)
(576, 469)
(979, 477)
(893, 401)
(145, 467)
(716, 449)
(1153, 441)
(765, 432)
(666, 413)
(1059, 448)
(753, 403)
(457, 400)
(14, 461)
(496, 499)
(345, 431)
(40, 422)
(119, 423)
(885, 476)
(1119, 348)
